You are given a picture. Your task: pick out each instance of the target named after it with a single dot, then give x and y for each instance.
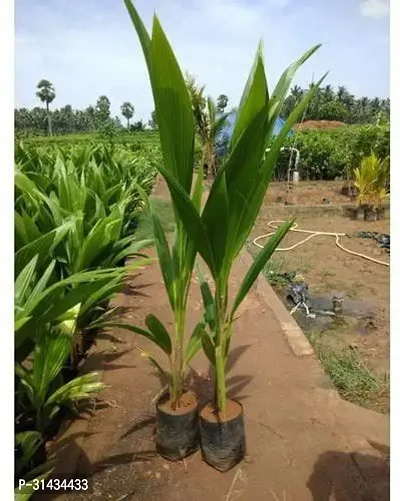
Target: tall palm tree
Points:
(344, 96)
(376, 104)
(127, 111)
(297, 92)
(46, 94)
(328, 93)
(198, 102)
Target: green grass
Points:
(354, 380)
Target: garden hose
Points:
(311, 234)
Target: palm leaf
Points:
(259, 263)
(173, 108)
(254, 98)
(160, 333)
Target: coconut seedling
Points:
(177, 410)
(380, 188)
(371, 181)
(219, 231)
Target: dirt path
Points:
(304, 442)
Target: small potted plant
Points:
(177, 408)
(177, 434)
(219, 231)
(381, 192)
(364, 182)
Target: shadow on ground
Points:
(332, 477)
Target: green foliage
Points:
(326, 154)
(76, 210)
(146, 140)
(28, 446)
(219, 231)
(177, 136)
(371, 179)
(65, 120)
(102, 109)
(339, 105)
(36, 384)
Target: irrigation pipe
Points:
(312, 234)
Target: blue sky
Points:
(87, 48)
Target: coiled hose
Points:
(313, 234)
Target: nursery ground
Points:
(308, 193)
(328, 269)
(304, 442)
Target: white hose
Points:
(312, 234)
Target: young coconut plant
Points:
(366, 181)
(380, 191)
(219, 232)
(177, 410)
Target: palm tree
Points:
(297, 92)
(209, 122)
(198, 102)
(364, 101)
(46, 94)
(345, 97)
(127, 111)
(375, 104)
(328, 93)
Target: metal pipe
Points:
(296, 160)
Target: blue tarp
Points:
(231, 122)
(227, 131)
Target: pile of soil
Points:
(318, 124)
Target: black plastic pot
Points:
(177, 434)
(360, 213)
(223, 442)
(380, 213)
(370, 214)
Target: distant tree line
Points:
(328, 104)
(65, 120)
(339, 105)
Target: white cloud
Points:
(375, 8)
